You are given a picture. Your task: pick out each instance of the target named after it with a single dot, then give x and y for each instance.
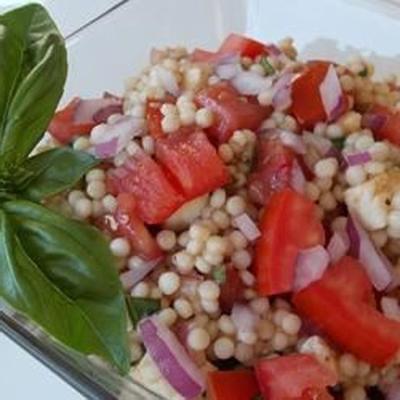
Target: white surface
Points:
(23, 377)
(118, 45)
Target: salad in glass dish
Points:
(228, 228)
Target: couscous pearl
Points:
(326, 168)
(218, 198)
(241, 259)
(320, 128)
(355, 393)
(244, 352)
(364, 143)
(155, 293)
(235, 205)
(225, 152)
(96, 189)
(135, 262)
(137, 111)
(312, 191)
(166, 239)
(334, 131)
(148, 144)
(200, 320)
(169, 282)
(167, 109)
(395, 201)
(221, 219)
(224, 348)
(83, 208)
(210, 306)
(355, 175)
(328, 201)
(279, 315)
(247, 278)
(265, 97)
(279, 341)
(363, 369)
(379, 237)
(291, 324)
(213, 258)
(142, 289)
(204, 118)
(74, 196)
(170, 123)
(247, 337)
(324, 184)
(202, 265)
(82, 143)
(198, 339)
(97, 208)
(260, 305)
(216, 245)
(133, 147)
(120, 158)
(187, 116)
(136, 352)
(212, 328)
(199, 232)
(374, 168)
(394, 219)
(379, 151)
(348, 365)
(120, 247)
(238, 240)
(209, 290)
(183, 308)
(265, 329)
(338, 193)
(168, 316)
(184, 262)
(226, 325)
(249, 294)
(96, 174)
(195, 247)
(183, 239)
(109, 203)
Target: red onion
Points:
(358, 158)
(338, 246)
(97, 110)
(250, 83)
(133, 276)
(297, 178)
(310, 265)
(244, 318)
(171, 358)
(331, 92)
(282, 92)
(106, 149)
(377, 266)
(373, 121)
(168, 80)
(294, 141)
(227, 71)
(273, 50)
(390, 308)
(247, 226)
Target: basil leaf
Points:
(33, 67)
(54, 171)
(75, 259)
(140, 307)
(268, 68)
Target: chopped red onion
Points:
(250, 83)
(227, 71)
(244, 318)
(106, 149)
(273, 50)
(93, 109)
(338, 246)
(282, 92)
(390, 308)
(247, 226)
(294, 141)
(358, 158)
(171, 358)
(168, 80)
(331, 92)
(297, 178)
(373, 121)
(133, 276)
(103, 114)
(310, 265)
(377, 266)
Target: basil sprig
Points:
(57, 271)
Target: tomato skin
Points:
(200, 55)
(156, 198)
(231, 110)
(342, 305)
(289, 224)
(229, 385)
(193, 162)
(294, 377)
(232, 289)
(63, 128)
(273, 169)
(246, 47)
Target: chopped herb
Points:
(140, 307)
(268, 68)
(364, 72)
(219, 274)
(338, 143)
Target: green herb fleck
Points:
(364, 72)
(219, 274)
(338, 143)
(268, 68)
(140, 307)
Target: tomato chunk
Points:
(232, 289)
(154, 116)
(273, 169)
(289, 224)
(155, 196)
(193, 161)
(242, 45)
(231, 110)
(63, 126)
(293, 377)
(342, 305)
(238, 385)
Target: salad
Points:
(227, 229)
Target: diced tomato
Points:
(342, 305)
(232, 385)
(200, 55)
(232, 289)
(193, 161)
(155, 196)
(154, 116)
(231, 110)
(307, 106)
(63, 127)
(129, 225)
(289, 224)
(273, 169)
(384, 123)
(242, 45)
(293, 377)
